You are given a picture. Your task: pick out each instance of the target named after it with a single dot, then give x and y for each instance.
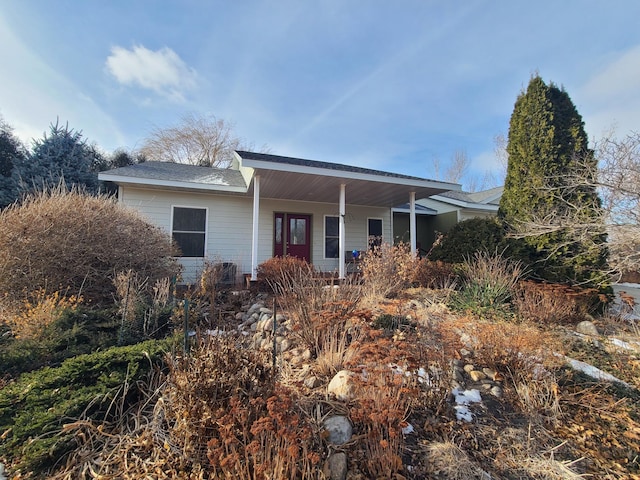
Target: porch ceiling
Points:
(306, 180)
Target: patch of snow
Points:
(408, 429)
(463, 413)
(397, 369)
(622, 344)
(467, 397)
(593, 372)
(463, 399)
(2, 472)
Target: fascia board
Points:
(258, 164)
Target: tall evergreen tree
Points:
(12, 154)
(548, 150)
(63, 155)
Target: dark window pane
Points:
(189, 219)
(331, 248)
(375, 227)
(375, 232)
(332, 227)
(191, 244)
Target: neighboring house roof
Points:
(487, 200)
(284, 178)
(419, 209)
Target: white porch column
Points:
(412, 221)
(254, 236)
(341, 241)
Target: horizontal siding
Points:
(229, 225)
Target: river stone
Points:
(587, 328)
(341, 385)
(337, 464)
(339, 429)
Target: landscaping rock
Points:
(341, 386)
(477, 375)
(337, 466)
(312, 382)
(587, 328)
(339, 429)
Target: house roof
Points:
(487, 200)
(284, 178)
(177, 175)
(419, 209)
(311, 180)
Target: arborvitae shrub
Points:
(74, 243)
(468, 237)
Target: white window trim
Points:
(206, 225)
(324, 237)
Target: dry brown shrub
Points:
(277, 272)
(320, 314)
(379, 412)
(433, 274)
(222, 404)
(554, 303)
(387, 270)
(204, 386)
(279, 444)
(71, 242)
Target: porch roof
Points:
(284, 178)
(311, 180)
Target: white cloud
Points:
(35, 93)
(612, 95)
(161, 71)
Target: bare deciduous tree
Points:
(202, 140)
(617, 181)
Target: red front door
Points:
(292, 235)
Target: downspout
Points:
(254, 236)
(341, 241)
(412, 222)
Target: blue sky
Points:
(378, 84)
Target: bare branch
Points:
(197, 140)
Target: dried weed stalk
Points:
(380, 412)
(387, 270)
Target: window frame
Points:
(204, 232)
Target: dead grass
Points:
(450, 461)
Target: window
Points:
(189, 230)
(374, 233)
(331, 237)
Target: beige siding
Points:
(229, 225)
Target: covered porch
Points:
(346, 187)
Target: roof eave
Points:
(125, 180)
